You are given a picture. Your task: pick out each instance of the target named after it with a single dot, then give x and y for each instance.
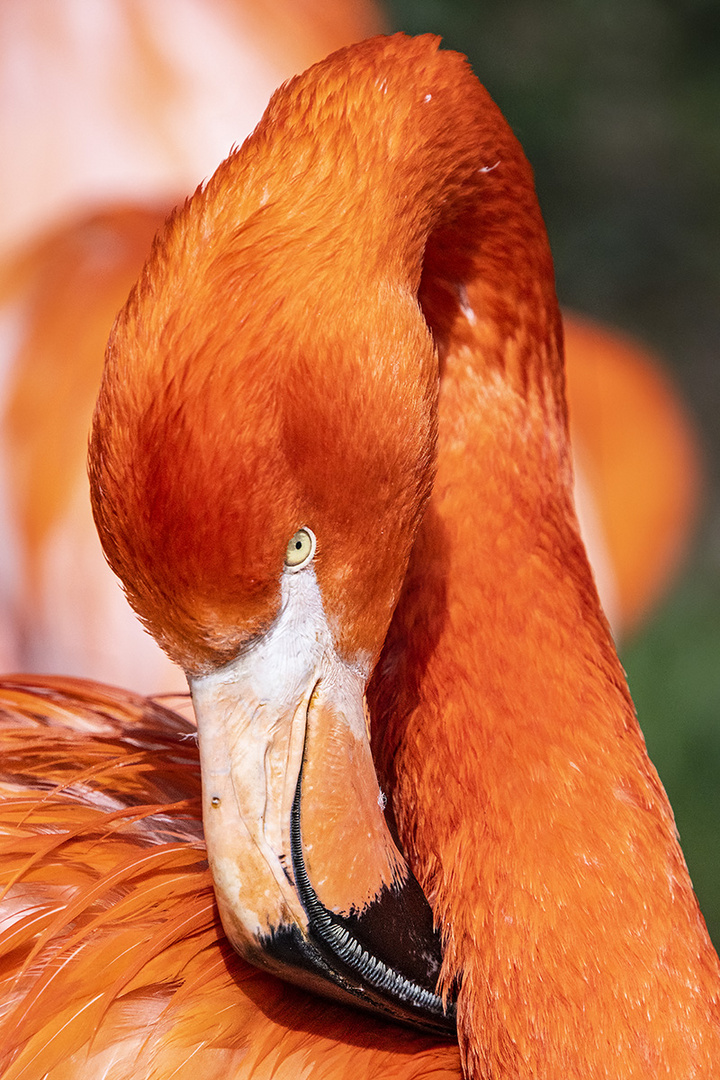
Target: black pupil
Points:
(298, 545)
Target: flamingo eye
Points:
(300, 550)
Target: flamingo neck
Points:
(521, 784)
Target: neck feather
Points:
(521, 784)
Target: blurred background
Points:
(105, 104)
(618, 108)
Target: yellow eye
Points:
(300, 550)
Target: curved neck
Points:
(526, 803)
(426, 188)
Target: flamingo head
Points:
(262, 451)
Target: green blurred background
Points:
(617, 104)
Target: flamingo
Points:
(457, 594)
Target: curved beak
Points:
(309, 882)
